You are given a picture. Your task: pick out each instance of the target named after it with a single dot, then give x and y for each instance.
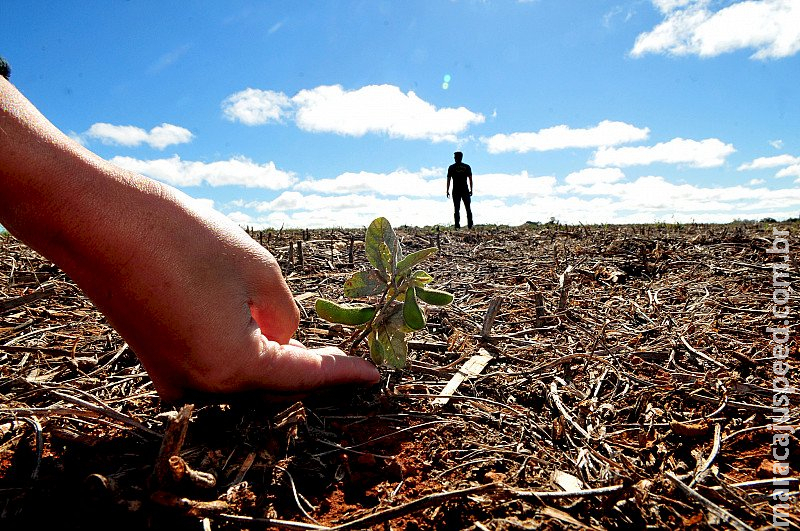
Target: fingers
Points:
(272, 305)
(291, 367)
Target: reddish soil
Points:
(646, 372)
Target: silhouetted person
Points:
(460, 173)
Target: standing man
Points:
(460, 173)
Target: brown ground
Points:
(647, 373)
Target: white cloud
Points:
(769, 162)
(770, 27)
(424, 183)
(602, 200)
(657, 198)
(428, 182)
(256, 107)
(591, 176)
(377, 109)
(238, 171)
(121, 135)
(167, 134)
(700, 154)
(513, 185)
(777, 144)
(791, 171)
(606, 133)
(201, 204)
(240, 217)
(158, 137)
(754, 182)
(665, 6)
(293, 209)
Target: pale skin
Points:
(204, 307)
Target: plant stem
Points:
(379, 317)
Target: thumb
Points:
(272, 305)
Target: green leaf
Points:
(382, 247)
(347, 314)
(386, 259)
(395, 347)
(376, 349)
(412, 314)
(387, 342)
(420, 278)
(413, 259)
(364, 284)
(397, 353)
(434, 296)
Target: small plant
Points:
(397, 289)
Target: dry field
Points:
(612, 377)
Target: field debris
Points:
(584, 377)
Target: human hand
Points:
(203, 306)
(448, 194)
(470, 193)
(206, 310)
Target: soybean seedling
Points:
(396, 289)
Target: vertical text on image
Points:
(782, 428)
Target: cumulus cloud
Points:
(158, 137)
(423, 183)
(593, 197)
(769, 162)
(295, 209)
(256, 107)
(706, 153)
(791, 171)
(513, 185)
(591, 176)
(240, 217)
(657, 198)
(375, 109)
(690, 27)
(379, 109)
(606, 133)
(427, 182)
(238, 171)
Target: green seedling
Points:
(394, 288)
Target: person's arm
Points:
(448, 182)
(203, 306)
(470, 183)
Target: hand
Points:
(448, 194)
(206, 309)
(203, 306)
(470, 193)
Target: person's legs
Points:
(457, 207)
(467, 201)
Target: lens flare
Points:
(446, 82)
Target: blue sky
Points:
(302, 114)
